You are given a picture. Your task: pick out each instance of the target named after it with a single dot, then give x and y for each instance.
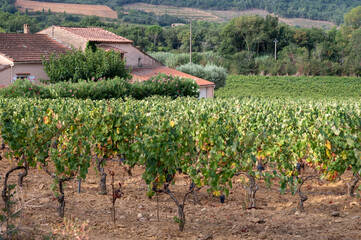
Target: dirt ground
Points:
(330, 213)
(82, 9)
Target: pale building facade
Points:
(21, 54)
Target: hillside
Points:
(97, 10)
(221, 15)
(161, 10)
(330, 10)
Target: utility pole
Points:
(190, 44)
(275, 41)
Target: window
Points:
(22, 75)
(139, 62)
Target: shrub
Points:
(102, 89)
(242, 63)
(215, 74)
(76, 65)
(162, 85)
(174, 60)
(166, 85)
(25, 88)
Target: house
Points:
(141, 64)
(177, 24)
(21, 55)
(206, 88)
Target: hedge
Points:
(161, 85)
(215, 74)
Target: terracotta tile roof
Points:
(19, 47)
(96, 34)
(146, 73)
(3, 67)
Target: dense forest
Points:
(331, 10)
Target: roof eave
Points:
(110, 41)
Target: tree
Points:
(154, 31)
(353, 18)
(76, 65)
(353, 59)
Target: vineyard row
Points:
(212, 141)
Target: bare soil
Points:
(330, 213)
(81, 9)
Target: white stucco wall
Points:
(132, 54)
(206, 92)
(5, 76)
(35, 69)
(202, 92)
(210, 92)
(64, 37)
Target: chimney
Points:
(26, 28)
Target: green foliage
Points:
(295, 87)
(25, 88)
(331, 10)
(353, 60)
(76, 65)
(162, 85)
(238, 45)
(154, 31)
(174, 60)
(242, 63)
(166, 85)
(212, 141)
(353, 18)
(215, 74)
(7, 6)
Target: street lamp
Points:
(275, 41)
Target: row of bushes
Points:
(162, 85)
(291, 62)
(215, 74)
(174, 60)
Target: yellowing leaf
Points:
(344, 155)
(202, 183)
(217, 193)
(328, 153)
(171, 123)
(46, 120)
(328, 145)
